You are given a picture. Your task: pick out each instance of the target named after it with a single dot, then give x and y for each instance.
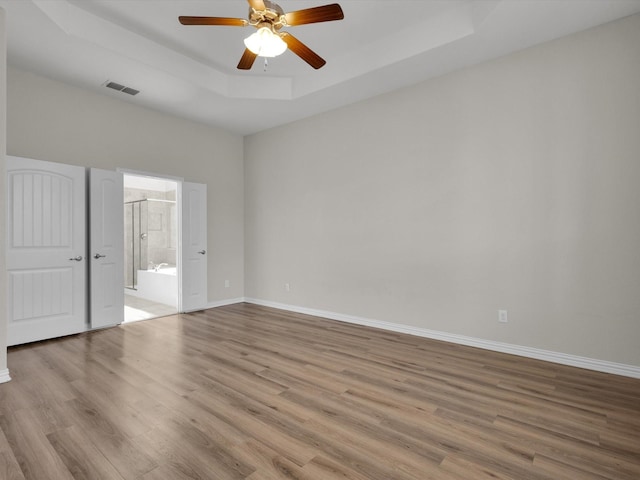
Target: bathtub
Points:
(159, 286)
(165, 271)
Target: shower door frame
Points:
(139, 237)
(134, 237)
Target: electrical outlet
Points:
(227, 284)
(287, 287)
(502, 316)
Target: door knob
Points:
(202, 252)
(77, 259)
(97, 256)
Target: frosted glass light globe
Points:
(265, 43)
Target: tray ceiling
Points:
(191, 71)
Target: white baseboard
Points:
(217, 303)
(222, 303)
(539, 354)
(4, 375)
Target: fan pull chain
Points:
(266, 64)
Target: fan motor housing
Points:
(271, 14)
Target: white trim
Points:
(179, 241)
(139, 173)
(222, 303)
(522, 351)
(4, 375)
(218, 303)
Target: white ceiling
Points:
(190, 71)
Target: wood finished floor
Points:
(247, 392)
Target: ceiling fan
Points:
(268, 18)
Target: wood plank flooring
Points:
(248, 392)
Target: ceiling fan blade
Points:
(325, 13)
(304, 52)
(257, 4)
(246, 62)
(224, 21)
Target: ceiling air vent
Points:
(121, 88)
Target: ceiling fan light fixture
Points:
(265, 43)
(268, 18)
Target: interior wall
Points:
(3, 148)
(513, 184)
(49, 120)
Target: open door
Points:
(106, 248)
(46, 249)
(194, 246)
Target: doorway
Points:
(150, 247)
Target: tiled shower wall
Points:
(155, 219)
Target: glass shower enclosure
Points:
(150, 237)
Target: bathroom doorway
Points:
(150, 247)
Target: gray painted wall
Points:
(3, 149)
(509, 185)
(52, 121)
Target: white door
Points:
(106, 248)
(194, 246)
(46, 249)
